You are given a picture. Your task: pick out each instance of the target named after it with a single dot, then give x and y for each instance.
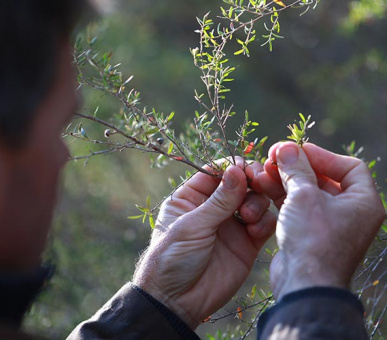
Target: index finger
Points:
(347, 171)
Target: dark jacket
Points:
(17, 292)
(132, 314)
(315, 313)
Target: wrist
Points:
(293, 285)
(172, 304)
(299, 274)
(178, 325)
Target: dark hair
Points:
(29, 34)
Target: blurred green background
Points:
(331, 64)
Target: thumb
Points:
(223, 202)
(294, 167)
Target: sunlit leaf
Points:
(135, 217)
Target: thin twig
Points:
(149, 147)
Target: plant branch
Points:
(147, 147)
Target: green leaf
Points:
(127, 80)
(152, 221)
(172, 182)
(262, 141)
(143, 209)
(224, 90)
(170, 148)
(246, 115)
(253, 291)
(231, 10)
(148, 202)
(240, 42)
(372, 164)
(383, 198)
(96, 111)
(135, 217)
(170, 116)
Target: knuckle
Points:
(218, 203)
(264, 202)
(301, 177)
(305, 193)
(361, 165)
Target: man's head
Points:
(37, 96)
(31, 31)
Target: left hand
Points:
(199, 254)
(329, 213)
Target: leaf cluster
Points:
(298, 132)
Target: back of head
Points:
(30, 31)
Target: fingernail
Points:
(254, 208)
(230, 180)
(288, 154)
(257, 169)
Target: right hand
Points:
(329, 213)
(199, 254)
